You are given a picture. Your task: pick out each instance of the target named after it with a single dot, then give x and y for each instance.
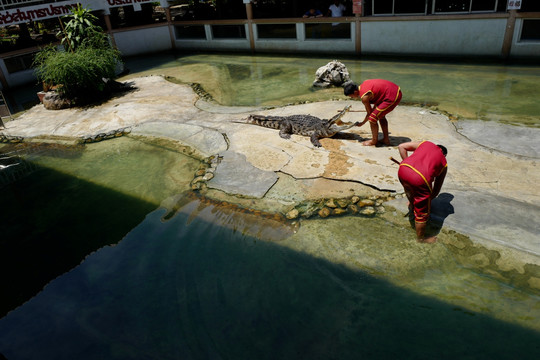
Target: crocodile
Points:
(306, 125)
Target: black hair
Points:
(444, 151)
(350, 88)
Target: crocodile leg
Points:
(285, 129)
(315, 139)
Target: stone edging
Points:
(10, 139)
(323, 208)
(106, 136)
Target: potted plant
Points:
(76, 72)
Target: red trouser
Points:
(418, 192)
(384, 108)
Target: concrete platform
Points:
(491, 190)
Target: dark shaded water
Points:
(189, 289)
(203, 281)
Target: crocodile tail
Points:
(265, 121)
(339, 115)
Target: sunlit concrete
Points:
(492, 186)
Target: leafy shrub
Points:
(78, 70)
(79, 28)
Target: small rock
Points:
(293, 214)
(366, 202)
(368, 211)
(343, 203)
(353, 209)
(197, 179)
(331, 204)
(339, 211)
(208, 176)
(355, 199)
(324, 212)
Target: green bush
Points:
(76, 72)
(79, 69)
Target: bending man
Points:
(379, 98)
(422, 175)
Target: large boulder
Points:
(334, 73)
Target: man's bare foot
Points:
(428, 240)
(369, 143)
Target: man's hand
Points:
(360, 123)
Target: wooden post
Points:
(171, 28)
(509, 34)
(358, 12)
(249, 12)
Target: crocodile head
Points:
(333, 128)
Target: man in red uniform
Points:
(422, 175)
(385, 96)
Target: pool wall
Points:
(477, 35)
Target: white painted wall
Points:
(142, 41)
(479, 37)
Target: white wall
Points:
(482, 37)
(141, 41)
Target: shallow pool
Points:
(492, 92)
(193, 279)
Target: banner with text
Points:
(61, 8)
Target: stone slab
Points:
(234, 175)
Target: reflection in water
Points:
(192, 289)
(73, 202)
(255, 223)
(493, 92)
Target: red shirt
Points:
(381, 89)
(428, 160)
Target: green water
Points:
(491, 92)
(128, 279)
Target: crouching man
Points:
(422, 175)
